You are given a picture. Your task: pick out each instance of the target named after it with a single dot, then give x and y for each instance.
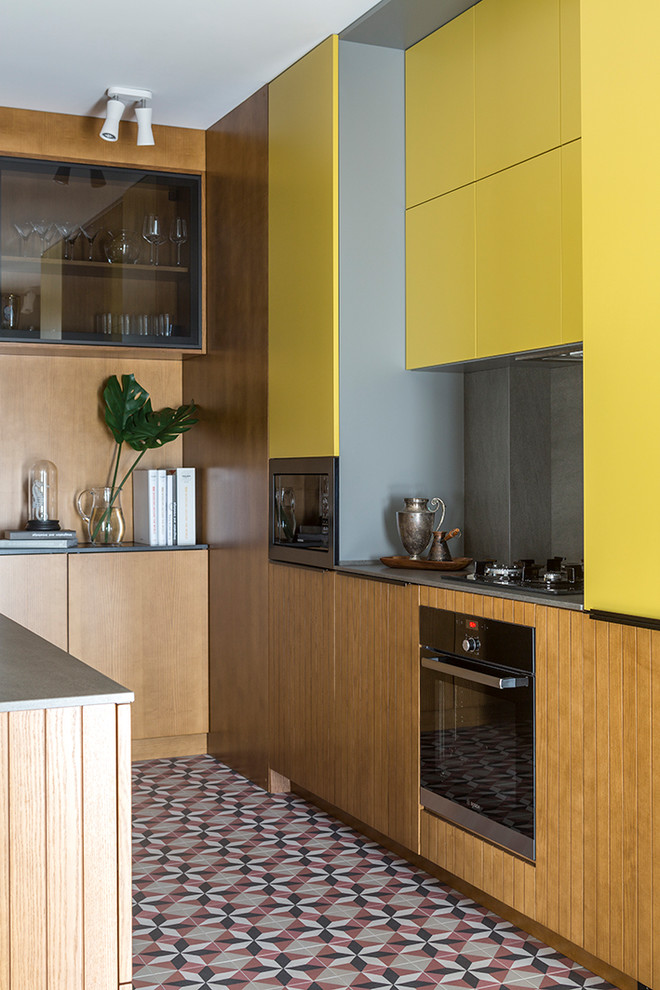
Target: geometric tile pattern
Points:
(235, 888)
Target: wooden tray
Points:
(428, 565)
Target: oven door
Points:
(477, 748)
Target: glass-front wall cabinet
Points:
(99, 255)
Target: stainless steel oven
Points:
(477, 725)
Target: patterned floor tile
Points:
(238, 889)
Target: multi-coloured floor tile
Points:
(237, 889)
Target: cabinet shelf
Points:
(38, 264)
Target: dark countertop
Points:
(440, 579)
(36, 674)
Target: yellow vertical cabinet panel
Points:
(621, 247)
(517, 81)
(571, 242)
(440, 280)
(519, 257)
(569, 42)
(440, 111)
(303, 257)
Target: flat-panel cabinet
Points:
(33, 592)
(303, 257)
(519, 257)
(141, 617)
(440, 280)
(440, 111)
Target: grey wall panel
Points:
(400, 432)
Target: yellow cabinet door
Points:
(571, 236)
(517, 81)
(571, 115)
(440, 111)
(303, 257)
(440, 280)
(519, 236)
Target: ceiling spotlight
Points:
(143, 114)
(118, 99)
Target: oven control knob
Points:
(471, 644)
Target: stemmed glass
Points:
(24, 229)
(90, 234)
(178, 235)
(69, 232)
(152, 231)
(44, 229)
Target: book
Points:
(161, 514)
(185, 507)
(45, 535)
(170, 501)
(145, 507)
(61, 544)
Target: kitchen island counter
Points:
(441, 579)
(34, 674)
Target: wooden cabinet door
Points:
(301, 677)
(519, 241)
(303, 257)
(376, 682)
(517, 81)
(440, 280)
(33, 592)
(440, 111)
(141, 617)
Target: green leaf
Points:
(122, 402)
(148, 429)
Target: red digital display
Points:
(472, 624)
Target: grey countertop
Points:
(440, 579)
(36, 674)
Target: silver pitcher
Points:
(416, 523)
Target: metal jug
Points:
(416, 523)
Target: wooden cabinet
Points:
(141, 617)
(376, 702)
(302, 677)
(65, 848)
(440, 111)
(33, 592)
(519, 257)
(80, 270)
(303, 257)
(517, 81)
(440, 280)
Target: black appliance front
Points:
(303, 510)
(477, 726)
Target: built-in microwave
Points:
(303, 510)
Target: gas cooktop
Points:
(554, 578)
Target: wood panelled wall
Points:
(229, 447)
(597, 875)
(65, 893)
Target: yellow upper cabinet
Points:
(571, 116)
(519, 240)
(440, 111)
(571, 242)
(440, 280)
(303, 257)
(517, 81)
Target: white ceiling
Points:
(201, 58)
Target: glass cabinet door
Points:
(92, 255)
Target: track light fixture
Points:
(119, 97)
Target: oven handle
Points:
(501, 683)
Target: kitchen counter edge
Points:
(35, 674)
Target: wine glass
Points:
(178, 235)
(152, 231)
(24, 229)
(90, 233)
(69, 232)
(44, 229)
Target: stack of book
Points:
(164, 507)
(41, 540)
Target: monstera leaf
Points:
(122, 402)
(148, 429)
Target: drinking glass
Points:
(69, 232)
(90, 234)
(178, 235)
(153, 233)
(24, 229)
(44, 229)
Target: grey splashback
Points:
(523, 462)
(400, 433)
